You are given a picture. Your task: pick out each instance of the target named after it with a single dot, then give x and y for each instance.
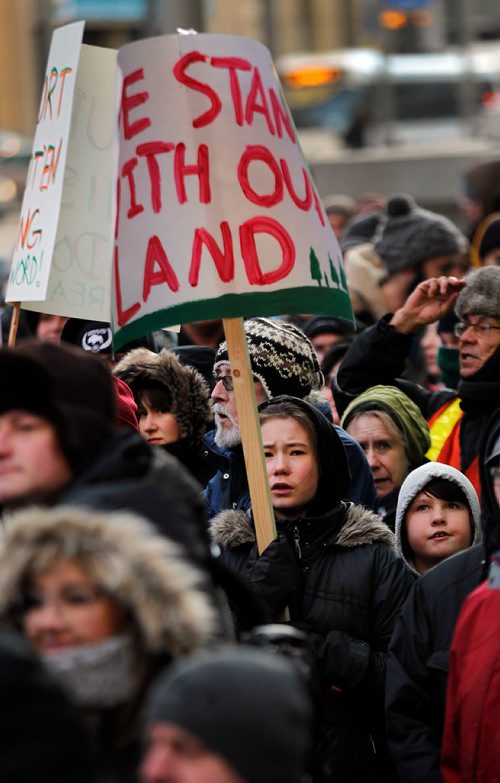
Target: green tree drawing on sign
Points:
(333, 272)
(343, 281)
(316, 273)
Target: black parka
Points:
(418, 665)
(378, 356)
(339, 575)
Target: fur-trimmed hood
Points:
(230, 529)
(122, 553)
(185, 386)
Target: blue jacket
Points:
(229, 489)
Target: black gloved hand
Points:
(274, 575)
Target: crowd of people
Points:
(147, 637)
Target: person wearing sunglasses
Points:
(456, 418)
(283, 361)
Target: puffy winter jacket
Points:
(418, 665)
(344, 584)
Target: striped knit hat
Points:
(282, 358)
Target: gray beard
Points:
(227, 439)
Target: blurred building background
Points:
(287, 27)
(283, 25)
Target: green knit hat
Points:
(405, 414)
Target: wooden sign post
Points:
(248, 420)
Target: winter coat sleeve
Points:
(274, 577)
(347, 662)
(410, 697)
(378, 356)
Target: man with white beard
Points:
(283, 361)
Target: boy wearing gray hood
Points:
(437, 515)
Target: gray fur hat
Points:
(481, 295)
(122, 553)
(410, 235)
(187, 392)
(415, 482)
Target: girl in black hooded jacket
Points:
(334, 565)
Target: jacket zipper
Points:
(296, 542)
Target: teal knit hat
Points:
(405, 414)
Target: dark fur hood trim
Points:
(230, 529)
(186, 386)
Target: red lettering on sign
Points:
(180, 74)
(233, 64)
(118, 203)
(51, 163)
(128, 172)
(122, 315)
(318, 207)
(156, 255)
(62, 76)
(304, 203)
(281, 117)
(223, 259)
(27, 236)
(150, 151)
(199, 169)
(259, 152)
(255, 95)
(265, 225)
(129, 102)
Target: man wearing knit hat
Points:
(378, 357)
(233, 715)
(283, 361)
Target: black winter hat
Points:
(248, 706)
(491, 237)
(360, 230)
(410, 235)
(72, 390)
(324, 324)
(97, 337)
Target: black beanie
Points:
(73, 390)
(410, 235)
(248, 706)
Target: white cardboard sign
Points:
(30, 269)
(80, 276)
(217, 214)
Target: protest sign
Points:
(30, 269)
(80, 276)
(217, 214)
(78, 273)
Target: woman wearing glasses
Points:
(457, 419)
(106, 602)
